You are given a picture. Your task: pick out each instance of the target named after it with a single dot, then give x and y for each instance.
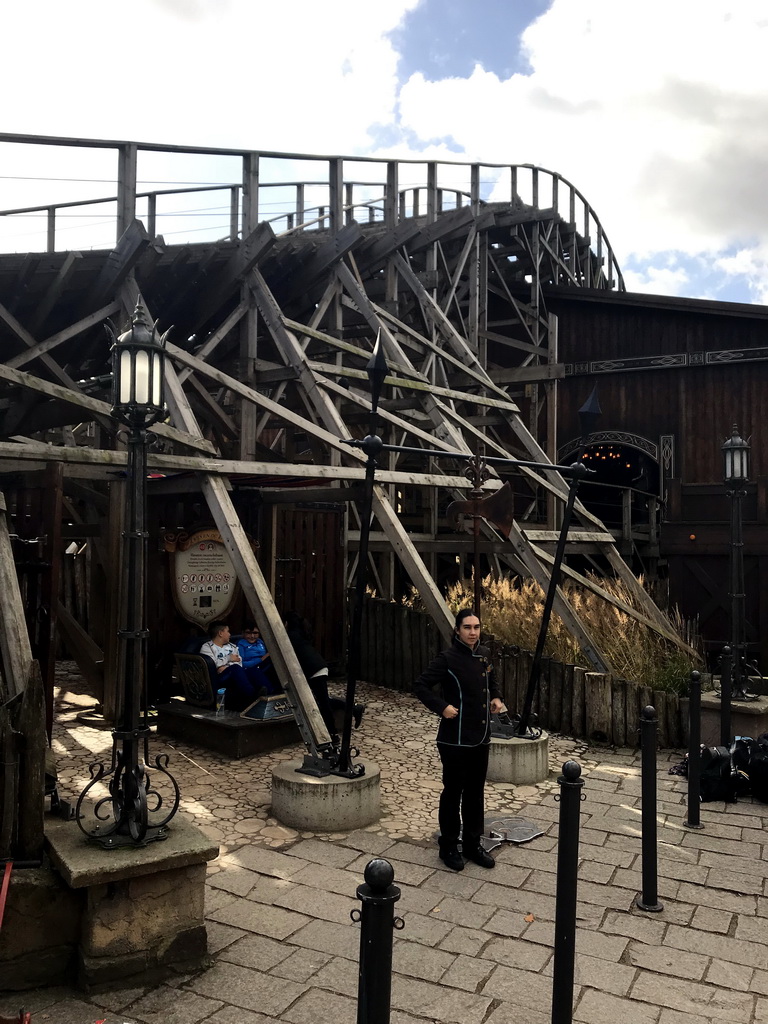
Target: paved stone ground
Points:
(477, 946)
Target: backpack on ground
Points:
(716, 779)
(758, 768)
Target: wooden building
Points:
(485, 284)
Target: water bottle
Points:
(220, 700)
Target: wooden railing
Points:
(389, 190)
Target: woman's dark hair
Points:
(464, 614)
(298, 627)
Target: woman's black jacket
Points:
(463, 677)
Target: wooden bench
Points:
(225, 732)
(194, 717)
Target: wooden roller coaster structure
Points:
(274, 323)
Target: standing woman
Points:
(459, 686)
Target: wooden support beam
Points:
(233, 274)
(102, 464)
(100, 411)
(30, 725)
(319, 263)
(69, 332)
(261, 603)
(561, 606)
(15, 648)
(121, 261)
(50, 364)
(401, 543)
(53, 292)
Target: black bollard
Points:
(571, 784)
(377, 921)
(649, 900)
(694, 753)
(726, 688)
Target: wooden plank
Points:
(597, 707)
(69, 332)
(578, 703)
(31, 724)
(39, 454)
(632, 713)
(14, 640)
(53, 292)
(9, 778)
(261, 604)
(128, 250)
(566, 718)
(102, 411)
(619, 713)
(660, 702)
(414, 566)
(657, 623)
(556, 695)
(543, 692)
(431, 346)
(84, 650)
(218, 335)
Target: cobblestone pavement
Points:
(477, 946)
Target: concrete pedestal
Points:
(330, 804)
(141, 908)
(748, 718)
(522, 762)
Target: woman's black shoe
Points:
(451, 857)
(480, 856)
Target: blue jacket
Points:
(252, 654)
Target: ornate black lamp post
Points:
(735, 474)
(138, 357)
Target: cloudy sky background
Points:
(656, 111)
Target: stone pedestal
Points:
(522, 762)
(142, 908)
(330, 804)
(748, 718)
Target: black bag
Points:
(758, 768)
(716, 779)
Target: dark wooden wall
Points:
(721, 379)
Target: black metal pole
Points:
(571, 785)
(371, 445)
(694, 753)
(579, 471)
(726, 690)
(737, 597)
(377, 923)
(128, 784)
(649, 900)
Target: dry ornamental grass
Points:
(512, 611)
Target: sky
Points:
(657, 111)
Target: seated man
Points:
(254, 653)
(243, 686)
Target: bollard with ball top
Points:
(377, 922)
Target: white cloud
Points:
(656, 110)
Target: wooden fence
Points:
(398, 643)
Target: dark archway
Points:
(625, 470)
